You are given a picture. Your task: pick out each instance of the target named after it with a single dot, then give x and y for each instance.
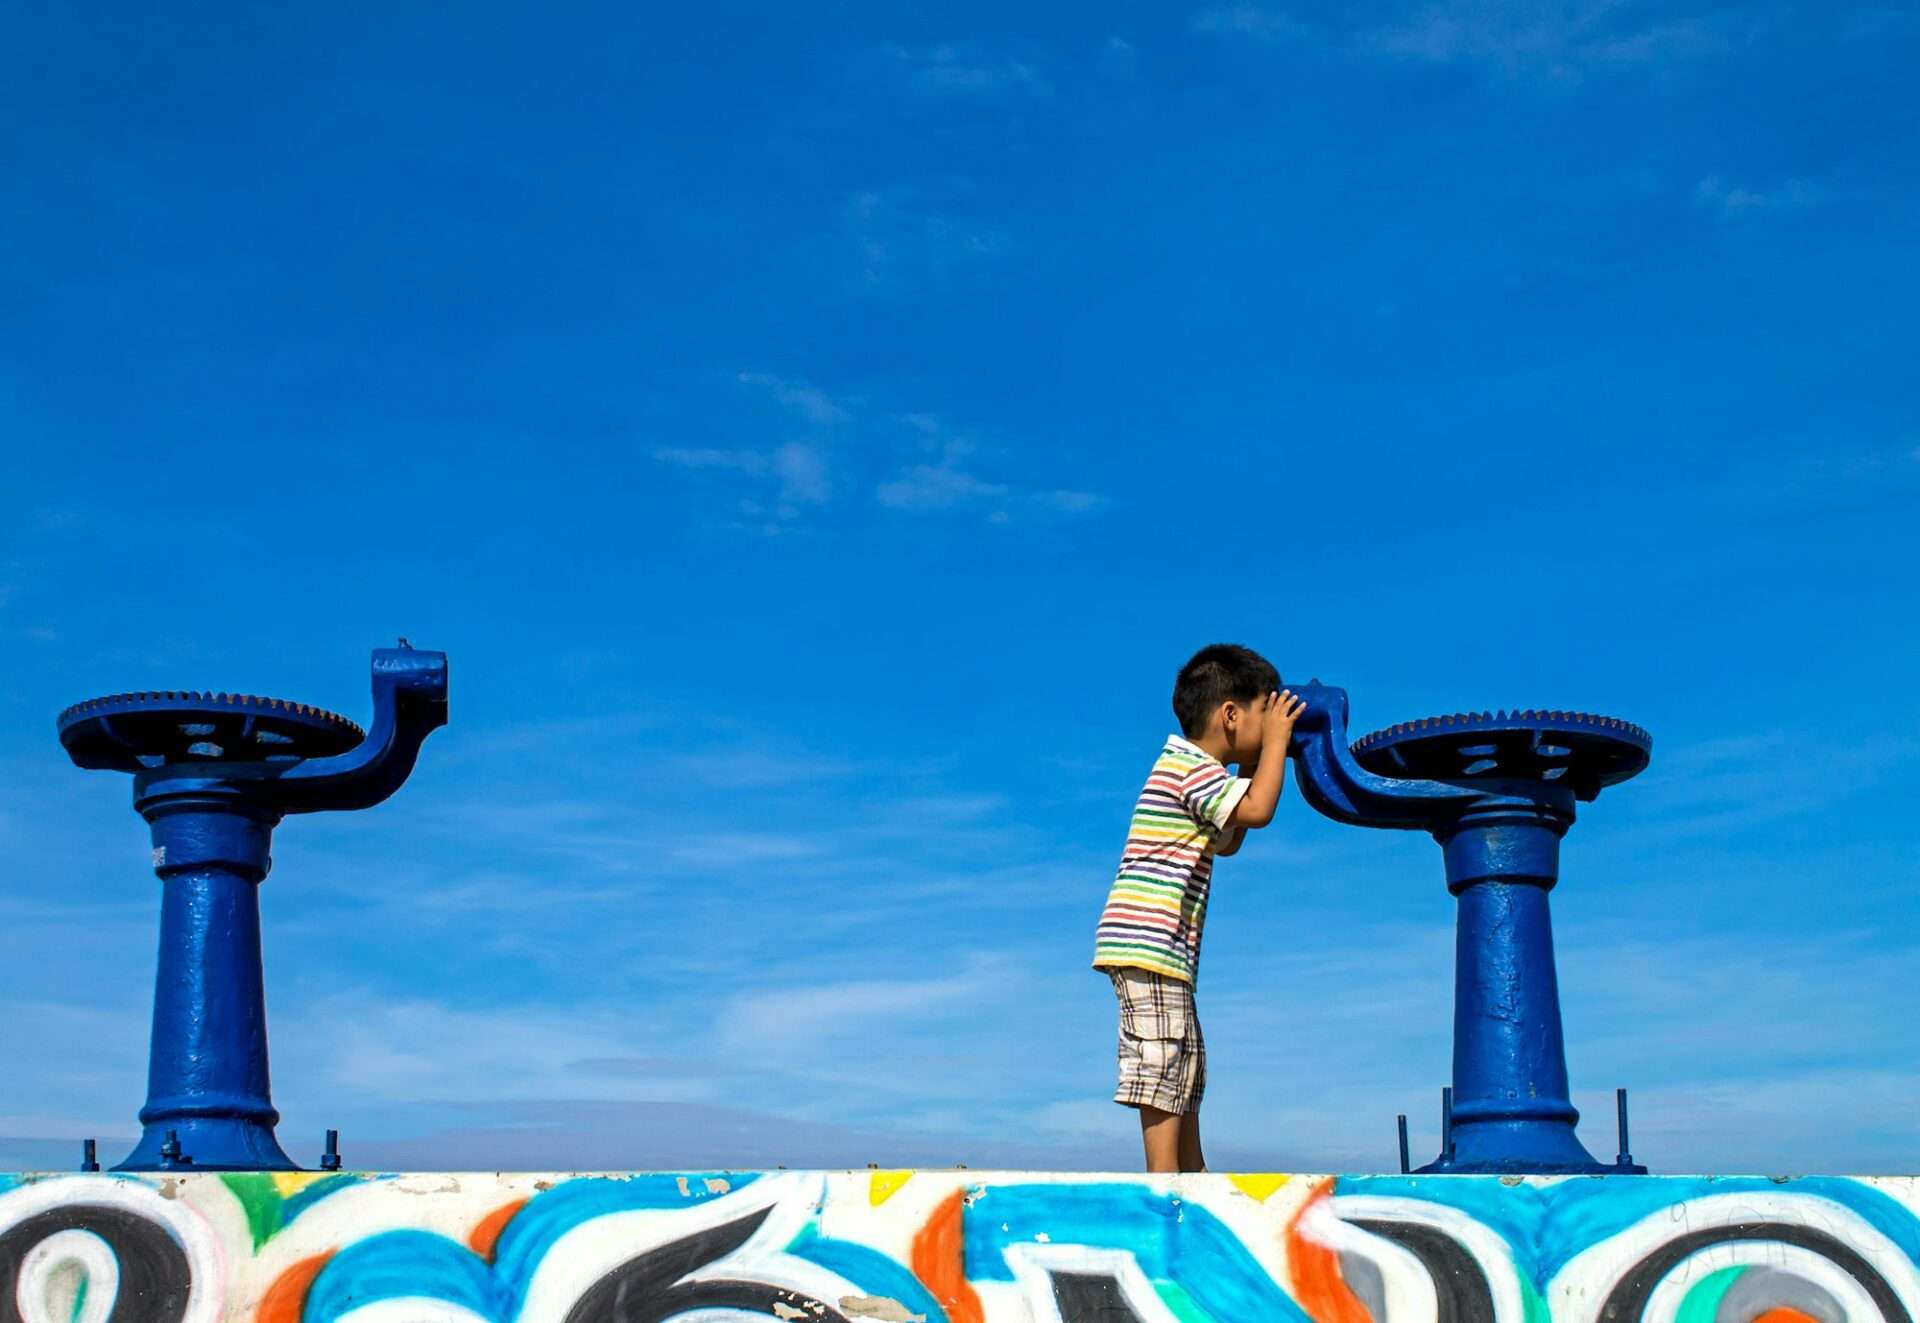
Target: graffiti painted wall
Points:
(955, 1247)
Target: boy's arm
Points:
(1229, 842)
(1256, 807)
(1230, 835)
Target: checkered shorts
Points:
(1163, 1058)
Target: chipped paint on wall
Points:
(955, 1247)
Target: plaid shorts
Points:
(1163, 1058)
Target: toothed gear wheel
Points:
(1585, 752)
(129, 732)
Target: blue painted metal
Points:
(1497, 791)
(213, 774)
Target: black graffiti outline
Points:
(651, 1288)
(155, 1276)
(1628, 1299)
(1460, 1287)
(1091, 1297)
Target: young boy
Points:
(1231, 709)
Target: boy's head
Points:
(1220, 695)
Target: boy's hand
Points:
(1277, 714)
(1277, 718)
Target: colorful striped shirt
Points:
(1158, 905)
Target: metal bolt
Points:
(89, 1160)
(170, 1154)
(330, 1160)
(1620, 1108)
(1406, 1160)
(1446, 1120)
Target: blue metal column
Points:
(1511, 1103)
(207, 1068)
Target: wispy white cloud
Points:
(1823, 478)
(929, 466)
(966, 69)
(1248, 20)
(753, 463)
(1723, 786)
(1561, 38)
(943, 479)
(924, 488)
(929, 487)
(1118, 55)
(803, 474)
(901, 232)
(736, 849)
(785, 479)
(1733, 200)
(418, 1049)
(1557, 38)
(504, 894)
(756, 769)
(808, 402)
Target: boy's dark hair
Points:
(1215, 674)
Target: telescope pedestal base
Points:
(210, 1143)
(1521, 1148)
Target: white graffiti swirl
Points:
(66, 1268)
(117, 1208)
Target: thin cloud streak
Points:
(964, 69)
(1734, 201)
(1557, 40)
(794, 483)
(809, 403)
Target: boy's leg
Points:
(1191, 1158)
(1161, 1132)
(1162, 1066)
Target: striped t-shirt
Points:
(1158, 904)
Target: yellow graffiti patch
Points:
(290, 1183)
(883, 1185)
(1260, 1185)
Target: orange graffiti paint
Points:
(485, 1236)
(1314, 1271)
(939, 1261)
(1783, 1315)
(287, 1297)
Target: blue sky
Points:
(817, 435)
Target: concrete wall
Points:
(955, 1246)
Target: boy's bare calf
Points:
(1172, 1140)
